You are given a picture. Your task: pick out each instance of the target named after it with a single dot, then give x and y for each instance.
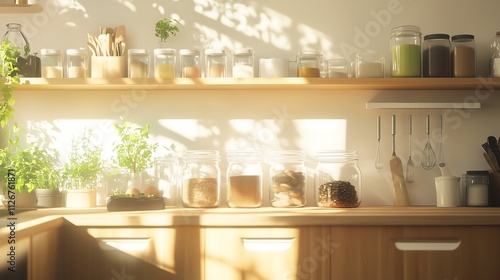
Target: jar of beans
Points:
(201, 179)
(244, 179)
(288, 178)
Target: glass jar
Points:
(309, 64)
(288, 178)
(76, 63)
(337, 180)
(406, 51)
(167, 178)
(215, 63)
(336, 68)
(436, 56)
(190, 63)
(201, 179)
(243, 63)
(164, 62)
(138, 63)
(495, 57)
(17, 38)
(369, 65)
(52, 63)
(463, 56)
(477, 188)
(244, 179)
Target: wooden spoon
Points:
(401, 197)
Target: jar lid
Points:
(164, 51)
(287, 156)
(307, 54)
(137, 51)
(462, 38)
(437, 36)
(50, 51)
(76, 51)
(336, 155)
(195, 155)
(243, 155)
(244, 51)
(189, 52)
(215, 52)
(478, 172)
(404, 28)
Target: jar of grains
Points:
(337, 179)
(405, 49)
(200, 178)
(288, 178)
(463, 56)
(309, 64)
(244, 179)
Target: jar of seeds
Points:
(337, 179)
(288, 178)
(201, 179)
(244, 179)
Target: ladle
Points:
(428, 156)
(379, 164)
(440, 152)
(410, 166)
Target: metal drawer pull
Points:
(267, 244)
(427, 245)
(124, 244)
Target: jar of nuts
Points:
(337, 179)
(288, 178)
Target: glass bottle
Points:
(495, 57)
(52, 63)
(17, 38)
(164, 63)
(167, 178)
(309, 64)
(477, 188)
(436, 55)
(288, 178)
(76, 63)
(463, 56)
(201, 179)
(337, 179)
(138, 63)
(243, 63)
(244, 179)
(406, 51)
(190, 63)
(215, 63)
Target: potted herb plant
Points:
(165, 28)
(82, 171)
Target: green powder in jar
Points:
(406, 60)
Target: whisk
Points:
(428, 156)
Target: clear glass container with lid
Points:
(77, 63)
(463, 56)
(436, 55)
(309, 64)
(164, 62)
(244, 179)
(138, 63)
(167, 178)
(52, 63)
(337, 179)
(495, 57)
(406, 51)
(190, 63)
(369, 65)
(215, 63)
(201, 179)
(288, 176)
(477, 187)
(243, 60)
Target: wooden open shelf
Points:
(20, 8)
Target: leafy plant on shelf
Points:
(84, 165)
(133, 149)
(165, 28)
(8, 71)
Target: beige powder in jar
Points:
(200, 192)
(244, 191)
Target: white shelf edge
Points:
(420, 105)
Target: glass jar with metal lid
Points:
(244, 179)
(406, 51)
(463, 56)
(190, 63)
(436, 55)
(215, 63)
(288, 178)
(52, 63)
(164, 63)
(201, 179)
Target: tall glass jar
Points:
(215, 63)
(244, 179)
(52, 63)
(309, 64)
(190, 63)
(243, 63)
(436, 55)
(337, 180)
(17, 38)
(138, 63)
(495, 57)
(463, 56)
(406, 51)
(201, 179)
(76, 63)
(288, 178)
(164, 63)
(167, 178)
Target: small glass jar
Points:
(436, 56)
(463, 56)
(336, 68)
(201, 179)
(309, 64)
(215, 63)
(52, 63)
(288, 178)
(190, 63)
(244, 179)
(167, 178)
(369, 65)
(477, 188)
(243, 63)
(406, 51)
(337, 179)
(138, 63)
(164, 62)
(77, 63)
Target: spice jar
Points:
(164, 63)
(52, 63)
(406, 50)
(336, 68)
(436, 56)
(288, 178)
(138, 63)
(477, 188)
(243, 63)
(77, 62)
(244, 179)
(495, 57)
(463, 57)
(190, 63)
(200, 179)
(166, 177)
(337, 179)
(369, 65)
(309, 64)
(215, 63)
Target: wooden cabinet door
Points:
(267, 253)
(416, 252)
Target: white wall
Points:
(272, 119)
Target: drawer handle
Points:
(427, 245)
(267, 244)
(124, 244)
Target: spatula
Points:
(401, 197)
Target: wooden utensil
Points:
(493, 144)
(401, 197)
(490, 163)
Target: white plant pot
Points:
(80, 198)
(48, 198)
